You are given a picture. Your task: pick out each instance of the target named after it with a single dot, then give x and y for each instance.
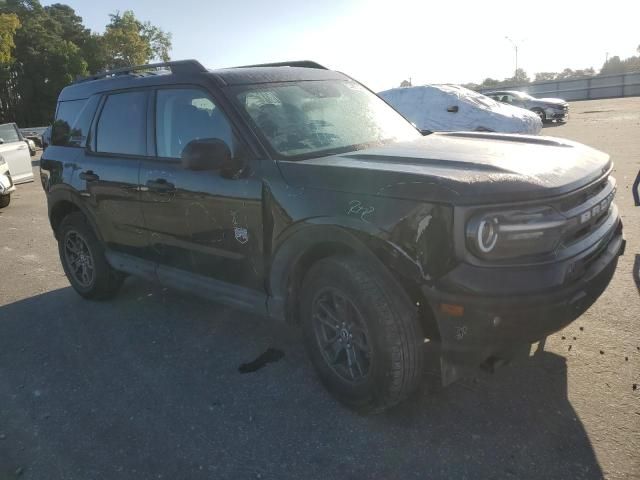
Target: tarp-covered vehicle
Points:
(450, 108)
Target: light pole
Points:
(515, 46)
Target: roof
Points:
(186, 70)
(252, 75)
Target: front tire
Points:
(83, 259)
(362, 335)
(540, 113)
(5, 200)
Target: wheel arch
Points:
(309, 244)
(62, 206)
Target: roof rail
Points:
(294, 63)
(178, 66)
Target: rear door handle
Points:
(161, 186)
(89, 176)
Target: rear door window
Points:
(122, 126)
(9, 133)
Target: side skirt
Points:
(208, 288)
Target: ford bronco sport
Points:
(293, 191)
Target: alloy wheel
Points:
(341, 335)
(79, 258)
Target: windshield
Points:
(314, 118)
(524, 96)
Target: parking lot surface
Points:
(148, 385)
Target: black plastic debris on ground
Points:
(270, 356)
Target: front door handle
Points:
(89, 176)
(160, 185)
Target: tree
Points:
(544, 76)
(490, 82)
(520, 76)
(128, 41)
(9, 23)
(612, 66)
(49, 47)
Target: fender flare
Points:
(303, 238)
(64, 195)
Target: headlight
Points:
(487, 234)
(515, 233)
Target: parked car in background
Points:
(292, 191)
(548, 109)
(6, 184)
(448, 108)
(34, 133)
(32, 146)
(15, 151)
(46, 137)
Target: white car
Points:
(6, 184)
(16, 153)
(449, 108)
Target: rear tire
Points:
(362, 335)
(82, 257)
(5, 200)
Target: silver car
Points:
(548, 109)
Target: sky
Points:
(381, 43)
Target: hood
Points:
(553, 101)
(459, 168)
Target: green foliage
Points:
(543, 76)
(616, 65)
(50, 46)
(520, 77)
(9, 23)
(127, 41)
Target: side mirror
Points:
(206, 154)
(453, 109)
(1, 141)
(426, 132)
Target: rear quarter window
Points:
(73, 120)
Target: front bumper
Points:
(480, 330)
(557, 114)
(6, 184)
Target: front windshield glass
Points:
(314, 118)
(524, 96)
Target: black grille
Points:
(587, 210)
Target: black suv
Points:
(293, 191)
